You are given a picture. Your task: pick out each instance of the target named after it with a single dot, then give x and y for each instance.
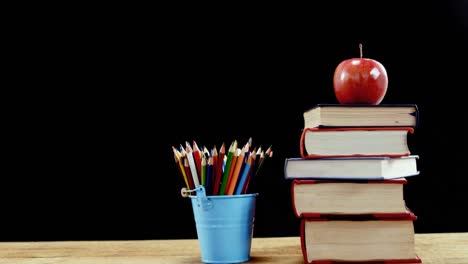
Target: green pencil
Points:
(203, 171)
(266, 155)
(227, 167)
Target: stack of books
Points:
(348, 184)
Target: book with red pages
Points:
(361, 115)
(354, 142)
(372, 238)
(312, 198)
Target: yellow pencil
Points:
(177, 157)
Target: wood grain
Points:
(432, 248)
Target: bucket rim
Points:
(229, 196)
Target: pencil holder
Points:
(224, 226)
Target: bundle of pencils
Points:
(226, 172)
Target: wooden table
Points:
(432, 248)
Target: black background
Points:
(113, 89)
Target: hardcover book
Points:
(346, 142)
(362, 115)
(351, 168)
(313, 198)
(364, 239)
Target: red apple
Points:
(360, 81)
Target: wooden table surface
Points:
(432, 248)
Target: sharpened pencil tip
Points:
(268, 150)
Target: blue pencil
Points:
(243, 178)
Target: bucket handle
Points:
(202, 200)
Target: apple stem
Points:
(360, 49)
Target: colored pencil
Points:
(227, 172)
(209, 176)
(206, 153)
(203, 171)
(227, 167)
(180, 165)
(249, 142)
(214, 156)
(252, 168)
(197, 157)
(261, 160)
(263, 157)
(219, 170)
(193, 168)
(243, 177)
(189, 174)
(232, 168)
(240, 161)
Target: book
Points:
(362, 115)
(313, 198)
(372, 238)
(345, 142)
(355, 168)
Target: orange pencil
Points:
(240, 161)
(232, 166)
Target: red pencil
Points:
(219, 170)
(197, 154)
(189, 174)
(214, 155)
